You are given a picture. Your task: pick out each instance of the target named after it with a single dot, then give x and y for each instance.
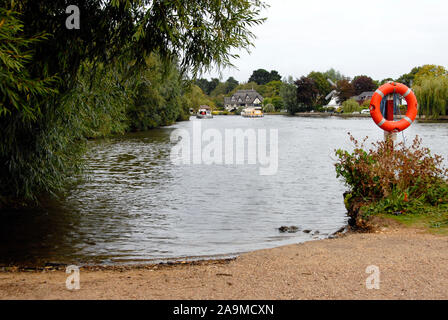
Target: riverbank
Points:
(412, 265)
(359, 115)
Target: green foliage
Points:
(429, 71)
(278, 103)
(38, 150)
(262, 76)
(158, 100)
(207, 86)
(19, 92)
(231, 84)
(271, 89)
(432, 96)
(101, 87)
(271, 94)
(408, 78)
(238, 111)
(195, 98)
(363, 83)
(322, 85)
(247, 86)
(392, 179)
(365, 104)
(385, 81)
(269, 108)
(333, 75)
(350, 106)
(307, 93)
(344, 90)
(288, 92)
(102, 97)
(39, 157)
(204, 34)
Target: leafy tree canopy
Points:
(19, 91)
(333, 75)
(386, 80)
(231, 83)
(275, 76)
(288, 92)
(408, 78)
(432, 96)
(306, 92)
(262, 76)
(345, 90)
(41, 136)
(323, 86)
(429, 71)
(201, 33)
(363, 83)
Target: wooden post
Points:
(390, 117)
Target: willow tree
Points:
(432, 96)
(350, 106)
(41, 140)
(429, 71)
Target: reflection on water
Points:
(137, 206)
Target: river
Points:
(137, 206)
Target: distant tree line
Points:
(268, 84)
(310, 92)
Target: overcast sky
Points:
(381, 38)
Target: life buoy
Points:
(375, 109)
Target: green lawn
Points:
(436, 222)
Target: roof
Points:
(204, 107)
(364, 96)
(243, 96)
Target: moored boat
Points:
(255, 112)
(204, 112)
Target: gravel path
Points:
(412, 264)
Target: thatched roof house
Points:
(243, 98)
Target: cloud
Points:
(381, 38)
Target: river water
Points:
(137, 206)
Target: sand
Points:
(412, 265)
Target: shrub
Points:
(366, 104)
(350, 106)
(238, 111)
(269, 108)
(277, 101)
(391, 179)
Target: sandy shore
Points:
(412, 264)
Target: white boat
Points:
(204, 112)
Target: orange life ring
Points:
(375, 109)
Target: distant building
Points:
(244, 99)
(363, 96)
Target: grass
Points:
(435, 223)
